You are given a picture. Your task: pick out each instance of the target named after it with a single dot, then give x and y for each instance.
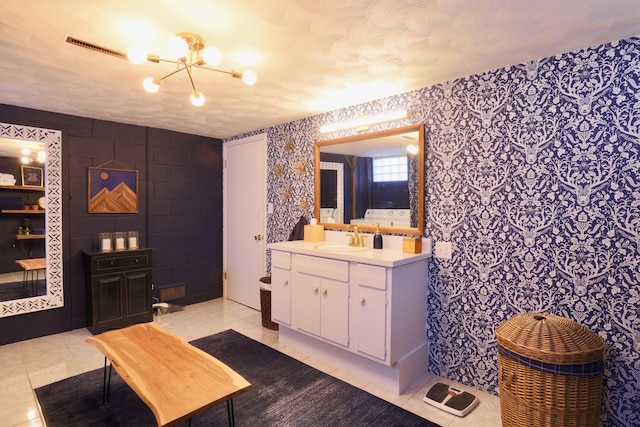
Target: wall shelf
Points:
(30, 236)
(23, 211)
(20, 187)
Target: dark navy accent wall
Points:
(185, 212)
(180, 209)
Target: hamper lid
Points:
(550, 338)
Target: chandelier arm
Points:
(188, 68)
(170, 74)
(212, 69)
(168, 60)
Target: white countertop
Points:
(387, 257)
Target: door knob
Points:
(258, 237)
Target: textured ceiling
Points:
(310, 56)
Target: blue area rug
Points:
(286, 392)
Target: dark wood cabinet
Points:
(119, 289)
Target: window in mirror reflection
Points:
(390, 169)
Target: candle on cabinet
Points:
(119, 237)
(104, 241)
(132, 239)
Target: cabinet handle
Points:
(111, 264)
(362, 300)
(137, 260)
(324, 292)
(315, 290)
(286, 283)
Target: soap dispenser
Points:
(377, 239)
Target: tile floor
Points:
(30, 364)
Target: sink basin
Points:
(334, 247)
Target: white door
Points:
(244, 187)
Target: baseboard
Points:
(396, 378)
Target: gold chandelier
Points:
(190, 51)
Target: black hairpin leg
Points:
(106, 382)
(232, 420)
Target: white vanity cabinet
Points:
(362, 312)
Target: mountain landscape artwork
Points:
(113, 190)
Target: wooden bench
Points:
(33, 266)
(175, 379)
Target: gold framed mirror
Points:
(381, 181)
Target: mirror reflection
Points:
(30, 219)
(22, 216)
(371, 179)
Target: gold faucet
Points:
(355, 239)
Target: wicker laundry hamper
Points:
(265, 303)
(550, 372)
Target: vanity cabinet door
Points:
(334, 311)
(370, 310)
(281, 287)
(281, 296)
(305, 303)
(371, 322)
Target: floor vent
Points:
(171, 292)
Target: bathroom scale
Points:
(451, 399)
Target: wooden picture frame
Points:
(112, 190)
(32, 176)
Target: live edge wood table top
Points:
(175, 379)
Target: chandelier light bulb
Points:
(197, 98)
(151, 85)
(249, 77)
(178, 47)
(136, 54)
(41, 156)
(25, 160)
(26, 151)
(412, 149)
(212, 56)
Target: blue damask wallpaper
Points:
(533, 175)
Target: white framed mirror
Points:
(54, 294)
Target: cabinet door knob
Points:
(324, 292)
(258, 237)
(362, 300)
(286, 283)
(315, 290)
(111, 264)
